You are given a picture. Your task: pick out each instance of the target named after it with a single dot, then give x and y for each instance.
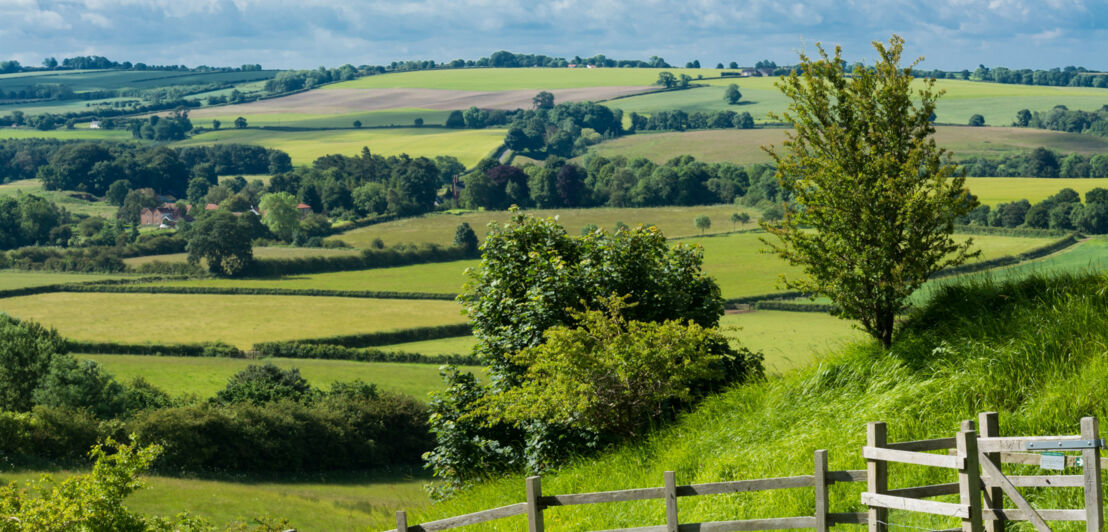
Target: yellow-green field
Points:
(204, 376)
(266, 252)
(675, 222)
(391, 117)
(789, 340)
(501, 79)
(459, 345)
(65, 134)
(468, 145)
(10, 279)
(348, 501)
(993, 190)
(238, 320)
(34, 186)
(438, 278)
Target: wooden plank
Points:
(1094, 502)
(1044, 481)
(780, 523)
(994, 498)
(921, 492)
(948, 509)
(908, 457)
(849, 518)
(923, 445)
(850, 475)
(534, 509)
(402, 521)
(877, 477)
(820, 473)
(993, 472)
(640, 494)
(1047, 515)
(969, 481)
(473, 518)
(656, 528)
(761, 484)
(1014, 444)
(671, 501)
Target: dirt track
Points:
(337, 101)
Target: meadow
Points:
(993, 190)
(63, 199)
(204, 376)
(78, 133)
(11, 279)
(265, 252)
(237, 320)
(468, 145)
(500, 79)
(88, 80)
(392, 117)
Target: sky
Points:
(950, 34)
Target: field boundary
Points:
(257, 291)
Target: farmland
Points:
(790, 340)
(501, 79)
(469, 146)
(993, 190)
(63, 199)
(343, 120)
(82, 133)
(204, 376)
(10, 279)
(264, 252)
(237, 320)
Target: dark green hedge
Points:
(400, 336)
(1009, 260)
(338, 352)
(1007, 231)
(368, 259)
(236, 290)
(796, 306)
(205, 349)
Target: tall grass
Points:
(1033, 350)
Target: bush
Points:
(80, 384)
(263, 384)
(338, 352)
(27, 351)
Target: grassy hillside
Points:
(499, 79)
(394, 117)
(265, 252)
(1031, 350)
(10, 279)
(81, 133)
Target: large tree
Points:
(223, 241)
(867, 178)
(279, 214)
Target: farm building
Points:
(167, 214)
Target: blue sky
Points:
(951, 34)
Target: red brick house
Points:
(166, 214)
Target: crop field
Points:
(468, 145)
(204, 376)
(437, 278)
(267, 252)
(458, 345)
(675, 222)
(500, 79)
(86, 80)
(789, 340)
(348, 501)
(10, 279)
(391, 117)
(993, 190)
(744, 146)
(63, 199)
(78, 133)
(238, 320)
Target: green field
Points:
(82, 133)
(438, 228)
(391, 117)
(63, 199)
(265, 252)
(468, 145)
(744, 146)
(993, 190)
(10, 279)
(238, 320)
(500, 79)
(346, 501)
(438, 278)
(204, 376)
(459, 345)
(790, 340)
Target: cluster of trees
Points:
(162, 128)
(1060, 118)
(31, 220)
(294, 80)
(102, 113)
(564, 129)
(1040, 162)
(603, 336)
(1063, 211)
(617, 182)
(680, 120)
(96, 62)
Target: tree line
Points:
(1070, 76)
(1060, 118)
(1062, 211)
(1040, 162)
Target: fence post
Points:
(821, 490)
(989, 422)
(401, 521)
(877, 475)
(969, 480)
(671, 501)
(1094, 503)
(534, 509)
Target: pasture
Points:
(391, 117)
(438, 228)
(238, 320)
(266, 252)
(11, 279)
(468, 145)
(63, 199)
(346, 501)
(78, 133)
(501, 79)
(108, 79)
(744, 146)
(789, 340)
(204, 376)
(993, 190)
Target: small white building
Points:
(95, 124)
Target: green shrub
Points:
(266, 383)
(80, 384)
(26, 352)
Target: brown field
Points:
(336, 101)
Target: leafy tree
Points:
(358, 124)
(134, 203)
(732, 94)
(240, 122)
(1023, 118)
(76, 383)
(279, 162)
(976, 121)
(265, 383)
(222, 240)
(418, 122)
(27, 350)
(466, 238)
(702, 222)
(280, 215)
(216, 123)
(118, 191)
(733, 64)
(735, 218)
(197, 190)
(864, 172)
(666, 79)
(543, 100)
(455, 120)
(1097, 195)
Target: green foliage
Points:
(27, 351)
(222, 240)
(863, 170)
(614, 376)
(73, 383)
(976, 121)
(702, 222)
(279, 214)
(266, 383)
(367, 354)
(732, 94)
(466, 238)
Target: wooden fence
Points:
(976, 458)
